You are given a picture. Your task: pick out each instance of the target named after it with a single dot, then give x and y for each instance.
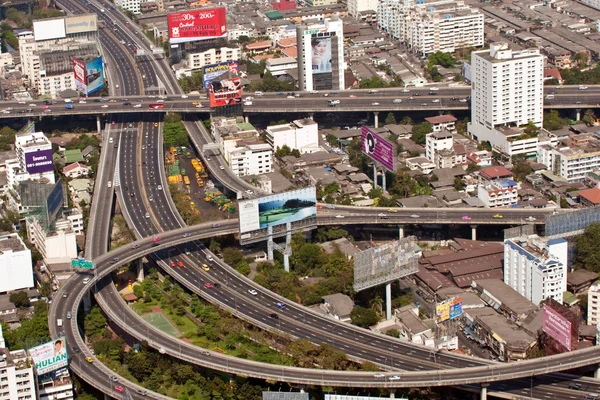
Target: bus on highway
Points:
(156, 105)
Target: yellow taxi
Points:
(498, 216)
(156, 124)
(205, 267)
(89, 359)
(196, 103)
(392, 210)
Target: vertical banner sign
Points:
(80, 76)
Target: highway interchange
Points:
(141, 172)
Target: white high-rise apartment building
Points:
(36, 150)
(536, 268)
(593, 306)
(357, 6)
(212, 56)
(253, 159)
(17, 380)
(431, 26)
(507, 92)
(592, 3)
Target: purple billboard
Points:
(379, 149)
(39, 161)
(557, 326)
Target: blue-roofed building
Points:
(498, 190)
(536, 267)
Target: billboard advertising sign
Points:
(79, 73)
(442, 312)
(37, 162)
(50, 356)
(378, 149)
(215, 71)
(94, 75)
(49, 29)
(190, 26)
(55, 201)
(386, 263)
(557, 326)
(277, 209)
(321, 54)
(81, 23)
(225, 92)
(456, 308)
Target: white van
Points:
(258, 94)
(59, 322)
(68, 101)
(550, 97)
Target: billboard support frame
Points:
(286, 249)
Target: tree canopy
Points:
(363, 317)
(587, 250)
(174, 131)
(420, 131)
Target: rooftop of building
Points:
(581, 276)
(12, 242)
(592, 195)
(281, 61)
(412, 323)
(506, 331)
(509, 297)
(440, 135)
(343, 244)
(441, 119)
(341, 303)
(495, 172)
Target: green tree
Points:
(472, 167)
(232, 256)
(32, 331)
(390, 119)
(459, 184)
(553, 121)
(46, 289)
(589, 118)
(363, 317)
(531, 130)
(445, 60)
(374, 82)
(420, 131)
(521, 169)
(138, 291)
(393, 333)
(326, 233)
(20, 299)
(406, 120)
(94, 323)
(174, 132)
(587, 254)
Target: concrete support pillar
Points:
(383, 187)
(388, 301)
(401, 231)
(374, 176)
(270, 243)
(392, 393)
(287, 252)
(140, 270)
(577, 114)
(87, 302)
(247, 119)
(376, 113)
(473, 232)
(98, 125)
(484, 387)
(597, 372)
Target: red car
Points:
(119, 389)
(179, 264)
(208, 285)
(171, 263)
(156, 239)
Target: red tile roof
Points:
(258, 46)
(287, 42)
(553, 73)
(291, 51)
(441, 119)
(73, 166)
(495, 172)
(591, 195)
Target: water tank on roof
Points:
(430, 8)
(447, 16)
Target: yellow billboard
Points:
(442, 312)
(81, 23)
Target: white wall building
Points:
(593, 306)
(572, 164)
(280, 66)
(436, 142)
(357, 6)
(131, 5)
(302, 134)
(15, 264)
(54, 84)
(328, 73)
(17, 380)
(430, 26)
(212, 56)
(58, 246)
(536, 268)
(26, 145)
(507, 92)
(253, 159)
(592, 3)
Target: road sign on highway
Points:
(81, 263)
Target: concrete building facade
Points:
(15, 264)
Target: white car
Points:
(291, 97)
(339, 216)
(463, 100)
(159, 187)
(530, 218)
(396, 101)
(394, 378)
(435, 100)
(414, 216)
(375, 104)
(314, 91)
(82, 102)
(105, 106)
(137, 106)
(379, 375)
(221, 167)
(199, 106)
(405, 90)
(32, 105)
(253, 292)
(21, 102)
(184, 96)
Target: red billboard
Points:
(225, 92)
(80, 75)
(557, 326)
(194, 25)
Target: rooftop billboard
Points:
(94, 75)
(321, 54)
(385, 263)
(225, 92)
(378, 149)
(81, 23)
(215, 71)
(456, 308)
(80, 76)
(49, 29)
(37, 162)
(54, 202)
(277, 209)
(442, 312)
(50, 356)
(194, 25)
(557, 326)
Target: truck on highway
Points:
(333, 103)
(186, 180)
(59, 322)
